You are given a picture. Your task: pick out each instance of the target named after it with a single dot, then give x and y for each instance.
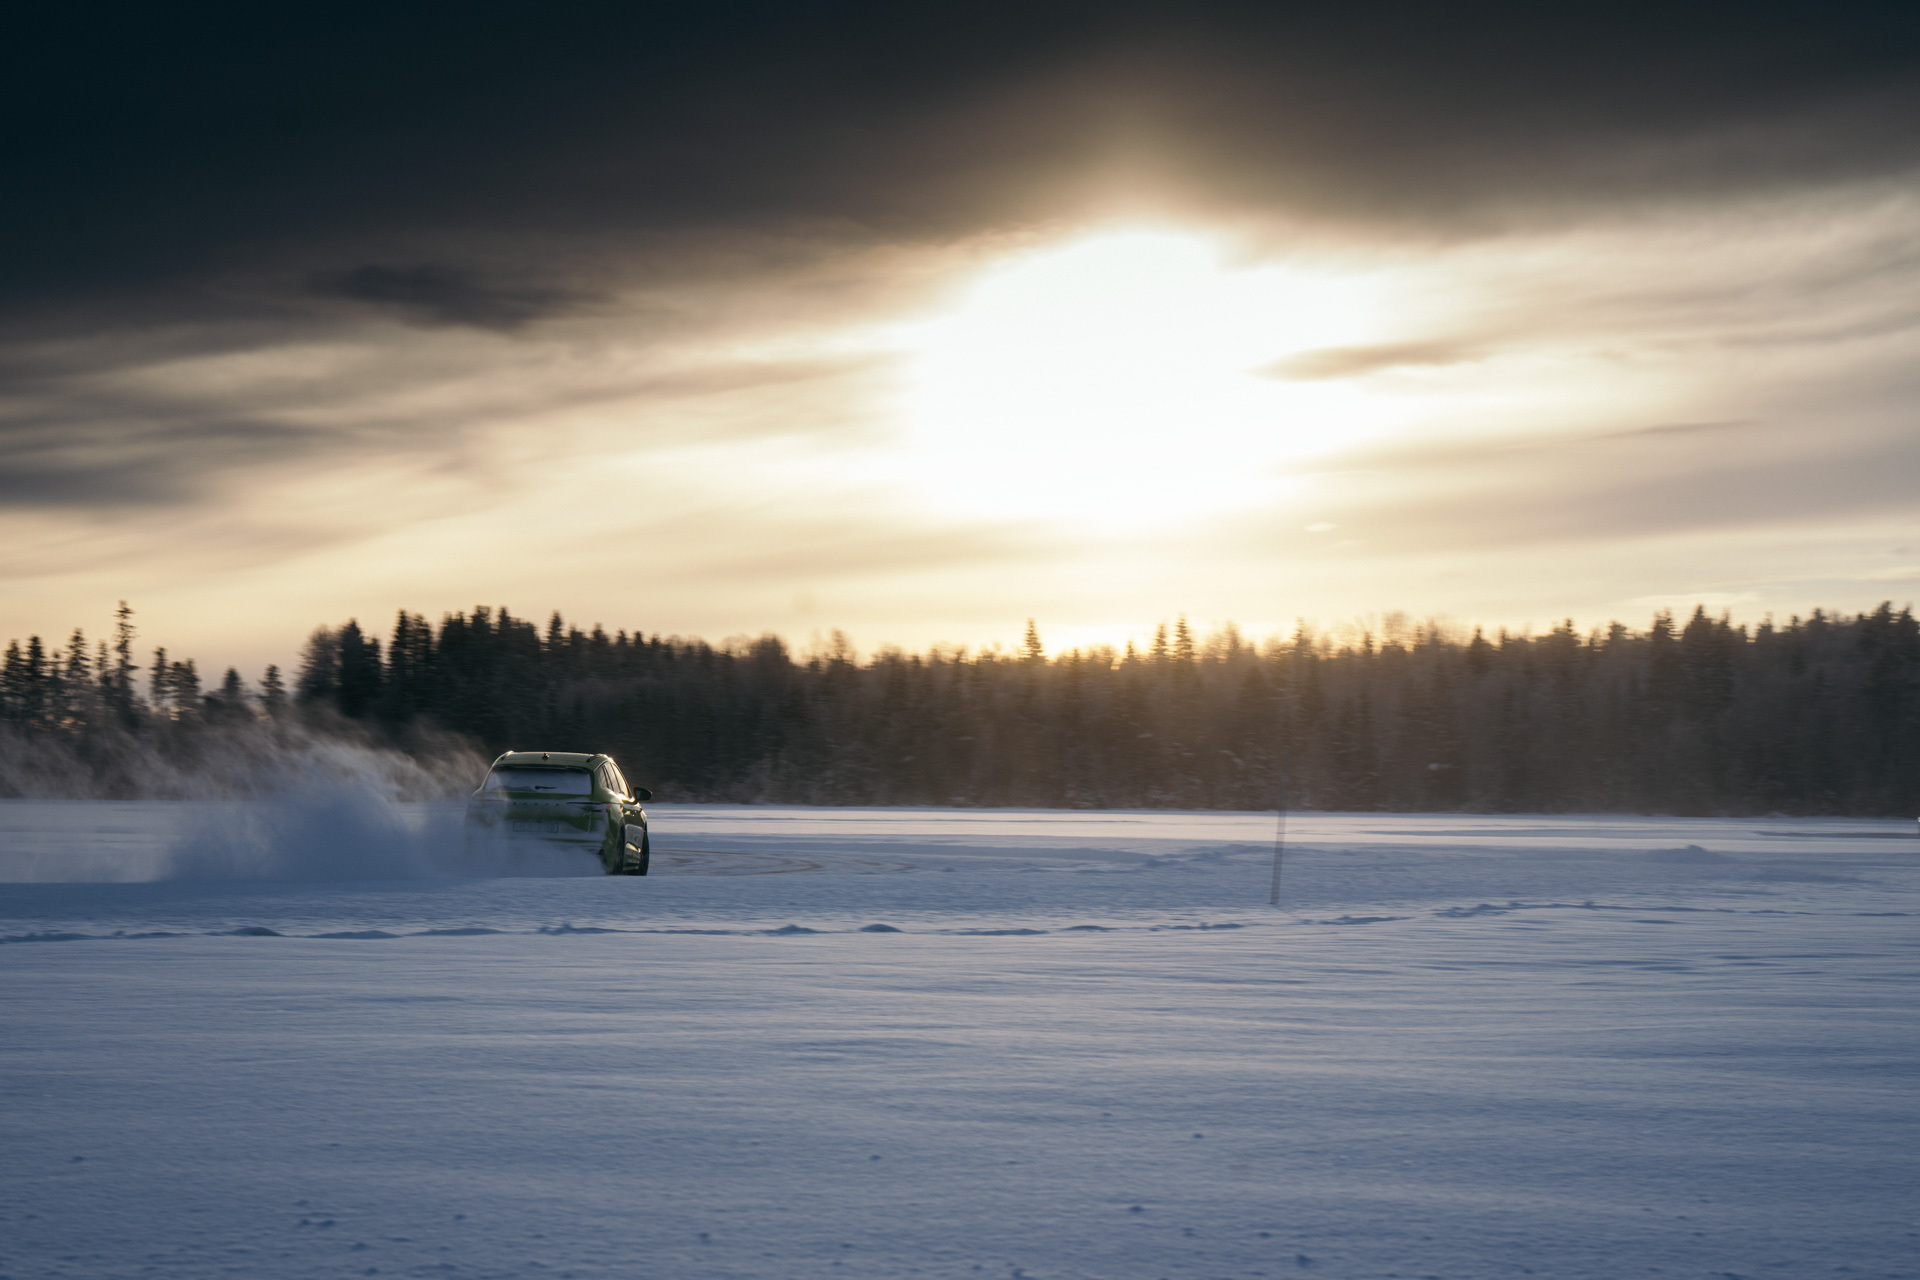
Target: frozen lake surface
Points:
(293, 1042)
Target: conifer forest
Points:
(1820, 715)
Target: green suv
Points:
(564, 798)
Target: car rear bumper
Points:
(496, 826)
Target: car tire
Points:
(630, 863)
(646, 852)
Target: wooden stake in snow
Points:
(1279, 850)
(1280, 828)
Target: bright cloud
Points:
(1099, 429)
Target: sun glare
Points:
(1116, 380)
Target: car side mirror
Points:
(642, 794)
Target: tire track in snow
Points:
(729, 862)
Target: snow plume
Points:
(233, 760)
(336, 829)
(323, 807)
(291, 799)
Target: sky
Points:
(918, 321)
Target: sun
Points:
(1119, 378)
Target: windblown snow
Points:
(308, 1040)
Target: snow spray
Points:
(323, 808)
(334, 830)
(260, 799)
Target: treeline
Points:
(80, 720)
(1819, 715)
(98, 698)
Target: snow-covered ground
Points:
(285, 1042)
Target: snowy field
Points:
(982, 1043)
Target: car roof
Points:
(552, 759)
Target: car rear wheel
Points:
(632, 862)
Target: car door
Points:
(630, 811)
(634, 812)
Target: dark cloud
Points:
(433, 294)
(95, 460)
(99, 482)
(227, 177)
(161, 144)
(173, 418)
(135, 418)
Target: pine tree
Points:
(183, 684)
(359, 671)
(273, 692)
(35, 685)
(319, 680)
(159, 684)
(1031, 650)
(1479, 654)
(410, 668)
(77, 703)
(229, 703)
(13, 684)
(122, 696)
(102, 675)
(1183, 642)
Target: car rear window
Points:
(550, 782)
